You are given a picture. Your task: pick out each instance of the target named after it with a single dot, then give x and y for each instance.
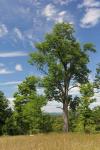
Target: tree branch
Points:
(73, 87)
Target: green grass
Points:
(51, 142)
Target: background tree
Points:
(73, 112)
(85, 121)
(97, 78)
(5, 111)
(64, 62)
(28, 106)
(57, 123)
(97, 89)
(11, 127)
(96, 115)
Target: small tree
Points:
(85, 121)
(96, 114)
(97, 78)
(73, 112)
(64, 63)
(28, 106)
(97, 87)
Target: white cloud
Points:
(18, 67)
(89, 3)
(54, 14)
(31, 2)
(12, 54)
(75, 91)
(63, 16)
(63, 2)
(49, 11)
(10, 83)
(92, 13)
(53, 106)
(3, 30)
(4, 70)
(18, 33)
(91, 17)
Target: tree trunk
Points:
(65, 117)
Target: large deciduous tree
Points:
(64, 63)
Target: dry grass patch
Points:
(51, 142)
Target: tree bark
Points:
(65, 116)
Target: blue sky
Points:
(24, 22)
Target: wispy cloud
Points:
(10, 83)
(52, 13)
(91, 18)
(89, 3)
(3, 30)
(63, 2)
(12, 54)
(49, 11)
(4, 70)
(92, 13)
(18, 33)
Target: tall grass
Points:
(51, 142)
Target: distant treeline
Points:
(27, 116)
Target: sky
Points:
(25, 22)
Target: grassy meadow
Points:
(51, 142)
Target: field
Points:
(51, 142)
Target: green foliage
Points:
(5, 111)
(64, 61)
(97, 78)
(90, 47)
(11, 127)
(57, 123)
(85, 122)
(32, 113)
(46, 123)
(96, 117)
(28, 106)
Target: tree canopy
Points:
(63, 60)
